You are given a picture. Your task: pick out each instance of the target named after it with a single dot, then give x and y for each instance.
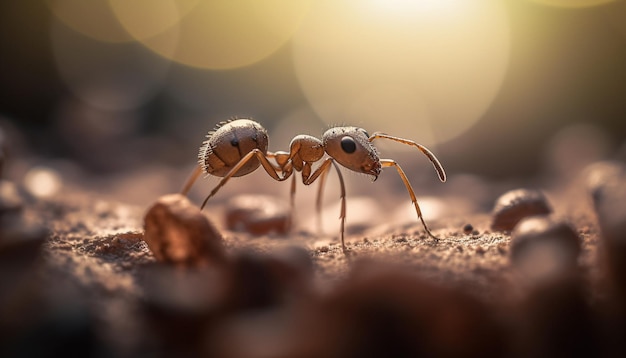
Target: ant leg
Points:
(342, 216)
(292, 193)
(279, 158)
(285, 166)
(392, 163)
(198, 170)
(322, 170)
(318, 201)
(428, 153)
(269, 168)
(191, 179)
(292, 196)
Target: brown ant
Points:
(239, 146)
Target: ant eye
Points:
(234, 142)
(348, 145)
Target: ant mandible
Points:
(240, 145)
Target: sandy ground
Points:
(95, 264)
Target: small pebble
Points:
(3, 151)
(20, 241)
(607, 185)
(468, 228)
(517, 204)
(258, 214)
(177, 232)
(606, 182)
(10, 199)
(543, 248)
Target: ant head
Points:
(350, 147)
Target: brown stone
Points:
(10, 199)
(177, 232)
(544, 248)
(382, 310)
(258, 214)
(514, 205)
(606, 182)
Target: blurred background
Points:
(124, 91)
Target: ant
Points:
(238, 147)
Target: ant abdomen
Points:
(228, 143)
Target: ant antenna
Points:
(438, 167)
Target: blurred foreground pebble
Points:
(607, 185)
(555, 318)
(514, 205)
(21, 240)
(3, 151)
(258, 282)
(176, 231)
(195, 310)
(10, 199)
(544, 248)
(381, 310)
(20, 236)
(179, 306)
(258, 214)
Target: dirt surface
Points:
(96, 280)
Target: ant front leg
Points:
(269, 168)
(392, 163)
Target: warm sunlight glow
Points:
(573, 3)
(92, 18)
(427, 71)
(112, 78)
(218, 34)
(400, 7)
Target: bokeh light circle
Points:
(615, 15)
(572, 3)
(114, 77)
(218, 34)
(92, 18)
(43, 182)
(424, 69)
(143, 19)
